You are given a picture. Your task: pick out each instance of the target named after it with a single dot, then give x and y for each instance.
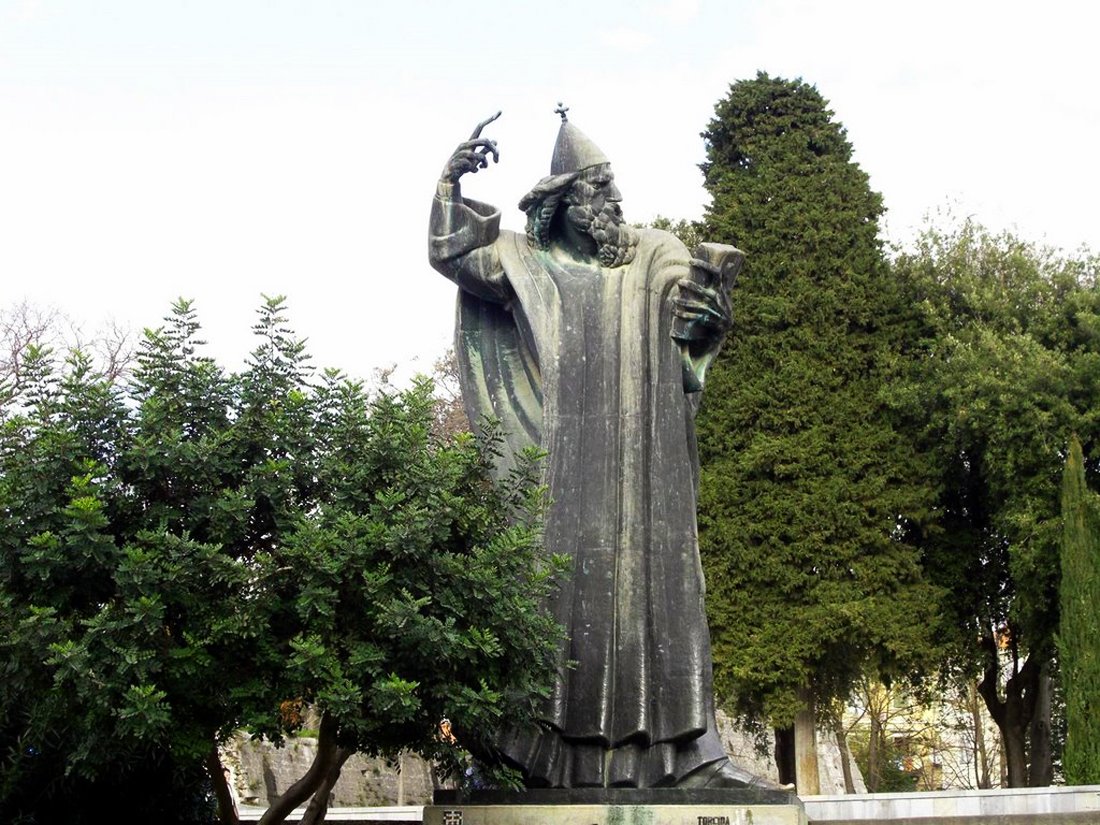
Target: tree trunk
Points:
(227, 811)
(318, 805)
(401, 779)
(1015, 753)
(327, 753)
(982, 767)
(1041, 772)
(1013, 715)
(845, 755)
(784, 755)
(807, 779)
(874, 753)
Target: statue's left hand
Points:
(701, 311)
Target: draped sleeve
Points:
(461, 244)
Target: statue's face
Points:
(601, 189)
(592, 207)
(594, 199)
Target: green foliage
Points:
(1008, 369)
(886, 762)
(183, 556)
(1006, 366)
(809, 486)
(689, 232)
(1079, 628)
(413, 590)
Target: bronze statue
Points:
(591, 338)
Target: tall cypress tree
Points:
(1079, 626)
(808, 486)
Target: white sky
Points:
(220, 149)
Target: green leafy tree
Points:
(886, 763)
(199, 552)
(690, 232)
(78, 699)
(414, 590)
(1007, 366)
(809, 486)
(1079, 627)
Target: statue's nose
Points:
(613, 193)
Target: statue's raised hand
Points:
(472, 154)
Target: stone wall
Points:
(745, 752)
(260, 772)
(986, 807)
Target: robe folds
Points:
(578, 360)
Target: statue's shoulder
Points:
(514, 247)
(661, 242)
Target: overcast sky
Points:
(220, 149)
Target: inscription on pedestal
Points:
(792, 814)
(617, 806)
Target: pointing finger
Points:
(477, 131)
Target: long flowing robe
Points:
(578, 359)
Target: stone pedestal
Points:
(616, 806)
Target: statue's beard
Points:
(615, 240)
